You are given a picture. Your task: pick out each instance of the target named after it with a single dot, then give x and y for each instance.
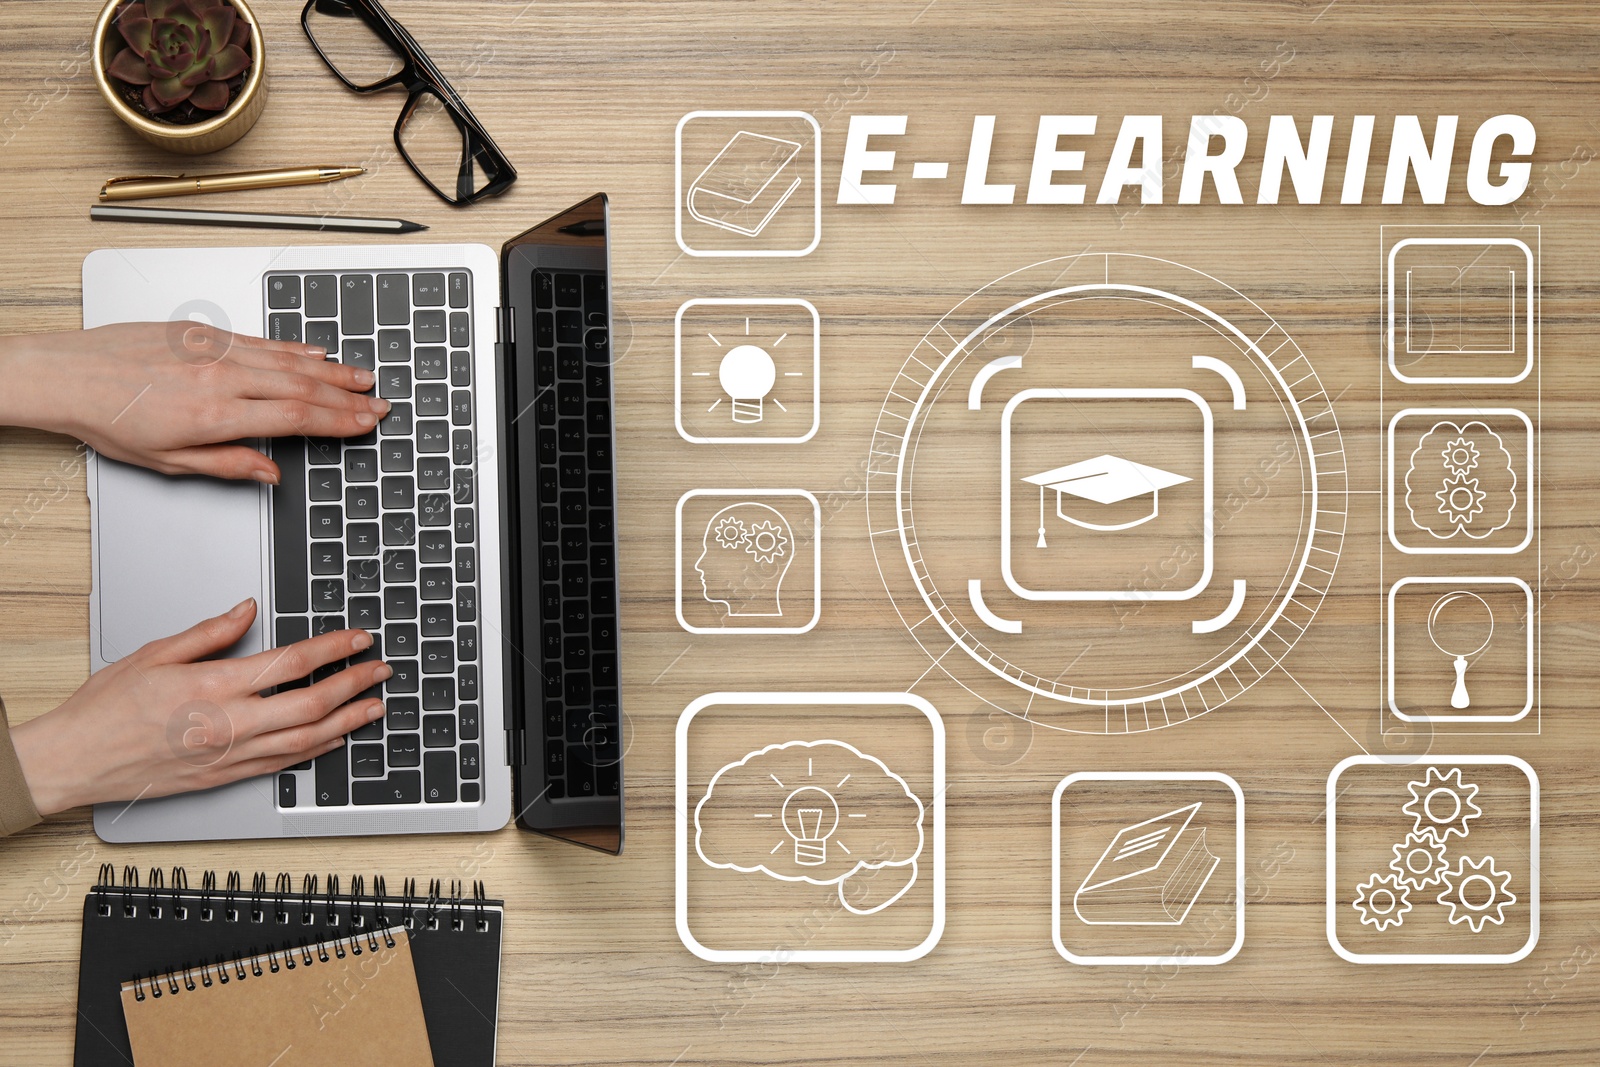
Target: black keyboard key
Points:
(433, 474)
(286, 789)
(575, 580)
(459, 289)
(399, 528)
(437, 620)
(402, 787)
(366, 761)
(544, 330)
(573, 471)
(569, 327)
(467, 723)
(544, 289)
(289, 629)
(433, 436)
(402, 713)
(394, 346)
(594, 292)
(603, 668)
(397, 423)
(355, 305)
(324, 334)
(434, 583)
(569, 363)
(439, 731)
(395, 455)
(324, 483)
(394, 300)
(569, 399)
(398, 492)
(332, 778)
(439, 778)
(597, 350)
(394, 381)
(327, 557)
(289, 571)
(321, 296)
(434, 546)
(327, 595)
(438, 657)
(462, 489)
(548, 445)
(430, 364)
(433, 509)
(399, 565)
(361, 465)
(578, 689)
(427, 290)
(428, 327)
(569, 290)
(469, 760)
(438, 694)
(467, 683)
(461, 407)
(366, 612)
(405, 750)
(400, 639)
(570, 437)
(466, 530)
(461, 447)
(466, 603)
(360, 352)
(555, 758)
(466, 564)
(399, 602)
(433, 401)
(283, 326)
(551, 647)
(406, 677)
(327, 520)
(361, 502)
(361, 539)
(326, 624)
(363, 575)
(580, 774)
(460, 368)
(372, 731)
(598, 419)
(460, 329)
(467, 644)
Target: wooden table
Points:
(585, 97)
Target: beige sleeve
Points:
(16, 802)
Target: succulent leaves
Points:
(181, 50)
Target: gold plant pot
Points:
(200, 137)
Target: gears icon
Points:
(1461, 456)
(1461, 500)
(730, 533)
(1442, 804)
(1383, 901)
(1477, 893)
(767, 542)
(1419, 861)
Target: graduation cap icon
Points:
(1105, 480)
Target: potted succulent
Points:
(188, 75)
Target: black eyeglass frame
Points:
(419, 77)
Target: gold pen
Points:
(179, 185)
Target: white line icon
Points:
(1460, 624)
(1460, 306)
(750, 196)
(747, 371)
(744, 552)
(1461, 628)
(1150, 874)
(745, 185)
(1462, 483)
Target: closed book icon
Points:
(745, 185)
(1150, 874)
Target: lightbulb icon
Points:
(747, 373)
(810, 815)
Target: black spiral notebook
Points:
(132, 931)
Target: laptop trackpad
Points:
(173, 551)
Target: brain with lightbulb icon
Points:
(809, 811)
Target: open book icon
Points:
(1149, 875)
(745, 185)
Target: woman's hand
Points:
(159, 722)
(172, 396)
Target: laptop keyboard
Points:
(378, 532)
(577, 569)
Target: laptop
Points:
(472, 532)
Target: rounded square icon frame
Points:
(1526, 474)
(816, 561)
(681, 864)
(1426, 957)
(1504, 580)
(1531, 326)
(1005, 493)
(678, 208)
(816, 370)
(1238, 868)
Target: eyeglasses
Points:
(437, 134)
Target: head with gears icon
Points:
(748, 548)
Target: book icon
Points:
(744, 186)
(1150, 874)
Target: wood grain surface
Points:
(584, 97)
